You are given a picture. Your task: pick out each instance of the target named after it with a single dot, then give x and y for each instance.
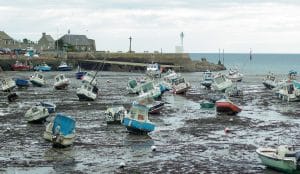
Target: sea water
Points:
(258, 64)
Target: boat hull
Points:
(227, 107)
(22, 83)
(83, 97)
(137, 127)
(80, 74)
(21, 68)
(37, 83)
(268, 85)
(64, 68)
(61, 86)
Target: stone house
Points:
(46, 43)
(6, 41)
(79, 42)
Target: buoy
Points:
(122, 164)
(231, 119)
(226, 130)
(153, 148)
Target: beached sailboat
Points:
(36, 114)
(207, 79)
(115, 115)
(8, 84)
(64, 67)
(42, 67)
(87, 92)
(283, 158)
(61, 131)
(61, 82)
(37, 80)
(227, 107)
(136, 121)
(221, 83)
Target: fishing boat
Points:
(115, 115)
(270, 81)
(36, 114)
(221, 83)
(21, 83)
(8, 84)
(61, 131)
(50, 106)
(79, 74)
(234, 91)
(283, 158)
(168, 79)
(42, 67)
(226, 106)
(208, 79)
(64, 67)
(90, 77)
(87, 92)
(37, 80)
(180, 86)
(19, 66)
(290, 91)
(153, 106)
(136, 121)
(207, 104)
(133, 87)
(153, 70)
(61, 82)
(148, 90)
(234, 75)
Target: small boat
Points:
(64, 67)
(168, 79)
(18, 66)
(148, 90)
(87, 92)
(154, 106)
(36, 114)
(153, 70)
(180, 86)
(133, 87)
(61, 131)
(90, 77)
(234, 75)
(136, 121)
(37, 80)
(50, 106)
(42, 67)
(226, 106)
(12, 97)
(115, 115)
(208, 79)
(292, 75)
(207, 104)
(270, 81)
(61, 82)
(221, 83)
(8, 84)
(288, 91)
(234, 91)
(283, 158)
(79, 74)
(21, 83)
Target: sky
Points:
(265, 26)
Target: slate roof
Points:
(75, 39)
(4, 36)
(49, 38)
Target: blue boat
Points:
(50, 106)
(42, 67)
(61, 131)
(136, 121)
(22, 83)
(80, 74)
(64, 67)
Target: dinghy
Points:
(37, 80)
(36, 114)
(8, 84)
(61, 82)
(115, 115)
(227, 107)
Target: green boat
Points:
(283, 159)
(207, 105)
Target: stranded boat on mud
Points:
(207, 79)
(8, 84)
(136, 121)
(115, 115)
(50, 106)
(133, 87)
(90, 77)
(36, 114)
(79, 74)
(221, 83)
(234, 75)
(42, 67)
(18, 66)
(38, 80)
(21, 83)
(180, 86)
(227, 107)
(61, 82)
(154, 106)
(289, 91)
(87, 92)
(61, 131)
(148, 90)
(283, 158)
(64, 67)
(270, 81)
(153, 70)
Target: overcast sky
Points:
(266, 26)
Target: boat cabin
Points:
(139, 112)
(60, 77)
(37, 75)
(220, 79)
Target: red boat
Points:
(18, 66)
(226, 106)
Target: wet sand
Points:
(188, 139)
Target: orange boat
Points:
(226, 106)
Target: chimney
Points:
(44, 34)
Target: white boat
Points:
(115, 114)
(90, 78)
(36, 114)
(283, 158)
(61, 82)
(270, 81)
(288, 92)
(37, 79)
(61, 131)
(207, 79)
(221, 83)
(180, 86)
(148, 90)
(169, 78)
(133, 87)
(87, 92)
(234, 75)
(153, 70)
(8, 85)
